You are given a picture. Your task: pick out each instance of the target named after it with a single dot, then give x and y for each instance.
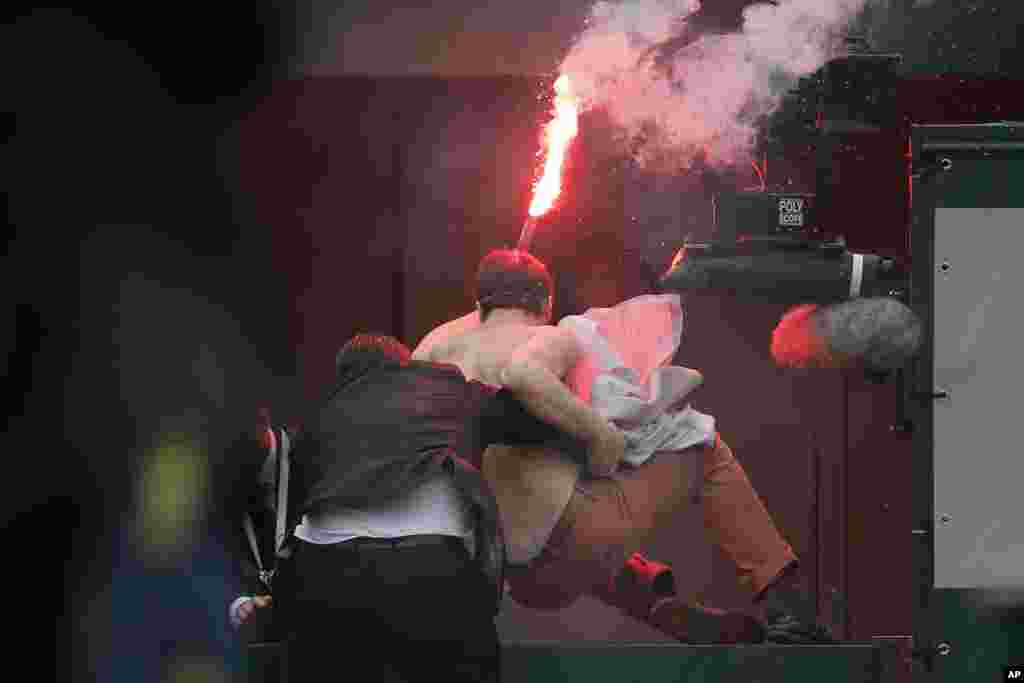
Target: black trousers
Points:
(417, 609)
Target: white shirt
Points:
(435, 507)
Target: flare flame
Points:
(558, 133)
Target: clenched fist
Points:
(243, 610)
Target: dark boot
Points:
(645, 590)
(791, 614)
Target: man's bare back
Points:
(532, 486)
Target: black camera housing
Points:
(763, 216)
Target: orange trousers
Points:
(607, 520)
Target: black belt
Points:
(405, 542)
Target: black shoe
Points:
(785, 628)
(790, 613)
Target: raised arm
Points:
(534, 375)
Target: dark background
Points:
(202, 208)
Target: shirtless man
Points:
(577, 534)
(515, 347)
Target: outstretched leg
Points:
(738, 523)
(610, 519)
(606, 522)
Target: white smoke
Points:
(716, 87)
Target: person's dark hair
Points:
(365, 352)
(512, 278)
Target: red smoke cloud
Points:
(705, 97)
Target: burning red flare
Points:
(558, 133)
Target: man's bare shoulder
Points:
(553, 332)
(557, 348)
(544, 335)
(428, 348)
